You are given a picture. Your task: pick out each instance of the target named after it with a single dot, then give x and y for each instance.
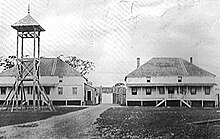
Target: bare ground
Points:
(77, 125)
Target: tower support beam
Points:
(27, 69)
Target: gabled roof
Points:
(168, 67)
(48, 67)
(27, 24)
(89, 86)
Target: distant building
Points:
(62, 84)
(106, 95)
(112, 95)
(119, 95)
(170, 82)
(91, 95)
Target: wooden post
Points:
(25, 97)
(141, 91)
(218, 100)
(34, 73)
(13, 98)
(203, 94)
(21, 69)
(126, 92)
(187, 94)
(187, 91)
(6, 102)
(38, 68)
(42, 104)
(21, 91)
(166, 96)
(39, 100)
(101, 93)
(165, 92)
(22, 46)
(157, 93)
(17, 76)
(38, 44)
(12, 107)
(142, 95)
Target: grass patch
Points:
(151, 122)
(18, 117)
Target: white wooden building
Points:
(63, 84)
(170, 82)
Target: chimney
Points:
(191, 60)
(138, 62)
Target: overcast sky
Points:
(113, 33)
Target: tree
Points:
(83, 66)
(119, 85)
(7, 62)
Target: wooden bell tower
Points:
(27, 69)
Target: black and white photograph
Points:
(109, 69)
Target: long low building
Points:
(170, 82)
(62, 84)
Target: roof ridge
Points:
(166, 57)
(200, 68)
(54, 67)
(182, 66)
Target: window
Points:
(148, 91)
(193, 91)
(207, 90)
(182, 90)
(47, 90)
(29, 90)
(148, 79)
(60, 90)
(170, 90)
(134, 91)
(74, 90)
(26, 89)
(9, 89)
(3, 90)
(60, 79)
(161, 90)
(179, 78)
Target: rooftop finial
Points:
(28, 8)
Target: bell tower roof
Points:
(27, 24)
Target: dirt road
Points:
(75, 125)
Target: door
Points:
(171, 92)
(89, 95)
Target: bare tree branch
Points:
(216, 22)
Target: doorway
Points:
(89, 95)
